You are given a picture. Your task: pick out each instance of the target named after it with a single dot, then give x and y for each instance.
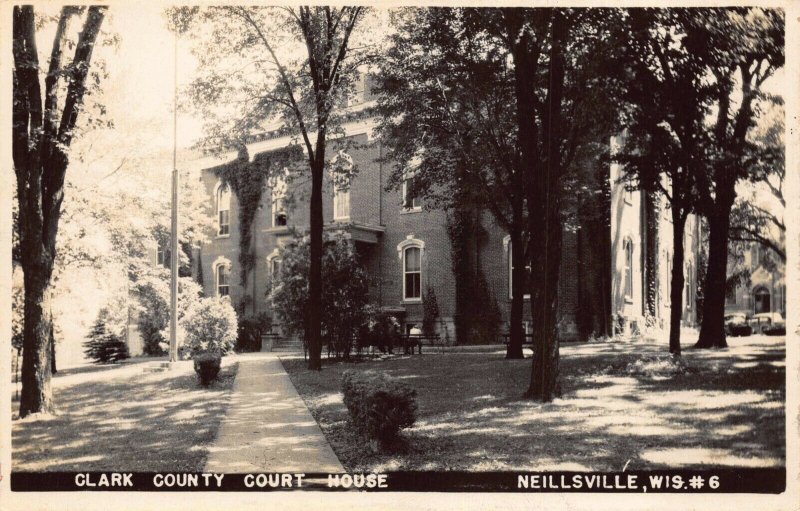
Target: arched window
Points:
(223, 280)
(761, 300)
(411, 251)
(627, 247)
(223, 210)
(412, 273)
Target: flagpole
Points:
(174, 258)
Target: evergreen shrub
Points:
(104, 346)
(379, 405)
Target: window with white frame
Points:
(687, 295)
(528, 273)
(223, 280)
(223, 210)
(341, 202)
(412, 273)
(410, 201)
(279, 216)
(627, 247)
(669, 277)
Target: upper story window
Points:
(627, 248)
(410, 201)
(528, 273)
(279, 216)
(341, 202)
(223, 280)
(223, 210)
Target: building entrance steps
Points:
(268, 427)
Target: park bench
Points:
(527, 342)
(411, 341)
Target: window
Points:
(412, 273)
(223, 280)
(627, 247)
(279, 217)
(669, 277)
(410, 201)
(341, 203)
(528, 272)
(687, 298)
(756, 256)
(161, 255)
(223, 210)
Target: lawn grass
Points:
(120, 418)
(623, 404)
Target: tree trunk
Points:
(544, 307)
(314, 325)
(677, 281)
(53, 367)
(36, 394)
(518, 287)
(712, 329)
(547, 187)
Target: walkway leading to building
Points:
(268, 427)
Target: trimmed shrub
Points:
(210, 327)
(207, 366)
(103, 346)
(379, 405)
(251, 328)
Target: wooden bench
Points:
(411, 341)
(527, 342)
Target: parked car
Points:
(736, 325)
(764, 322)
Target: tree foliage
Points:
(344, 292)
(293, 65)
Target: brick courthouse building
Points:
(405, 248)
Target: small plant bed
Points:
(125, 420)
(622, 403)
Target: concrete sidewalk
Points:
(268, 427)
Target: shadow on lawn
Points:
(130, 421)
(472, 416)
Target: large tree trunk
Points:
(314, 324)
(36, 394)
(518, 287)
(677, 281)
(547, 221)
(544, 308)
(53, 367)
(712, 329)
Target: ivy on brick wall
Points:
(247, 180)
(477, 317)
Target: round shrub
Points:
(207, 366)
(210, 326)
(379, 405)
